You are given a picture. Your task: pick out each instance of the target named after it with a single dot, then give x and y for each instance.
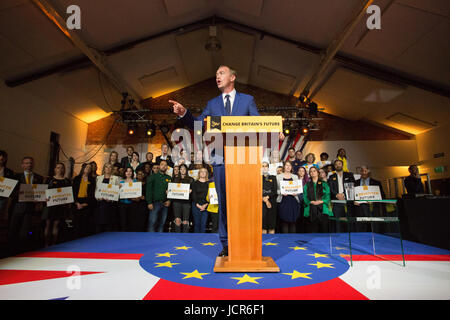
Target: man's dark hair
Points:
(4, 154)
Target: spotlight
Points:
(302, 98)
(131, 130)
(305, 130)
(287, 131)
(151, 130)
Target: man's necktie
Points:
(27, 178)
(228, 105)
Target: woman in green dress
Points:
(316, 196)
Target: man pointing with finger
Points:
(229, 103)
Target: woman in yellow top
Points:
(213, 209)
(342, 155)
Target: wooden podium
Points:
(244, 191)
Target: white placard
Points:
(363, 193)
(273, 168)
(169, 171)
(291, 187)
(322, 164)
(58, 196)
(178, 191)
(193, 174)
(7, 186)
(107, 192)
(356, 176)
(32, 192)
(213, 198)
(130, 190)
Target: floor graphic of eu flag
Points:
(174, 266)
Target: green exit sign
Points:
(439, 169)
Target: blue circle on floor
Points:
(191, 261)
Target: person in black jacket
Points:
(199, 203)
(182, 208)
(54, 214)
(413, 183)
(337, 183)
(165, 155)
(21, 218)
(269, 211)
(126, 160)
(5, 203)
(84, 198)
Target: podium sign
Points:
(244, 124)
(244, 192)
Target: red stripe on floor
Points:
(398, 257)
(18, 276)
(335, 289)
(81, 255)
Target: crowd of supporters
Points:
(308, 211)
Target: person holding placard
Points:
(83, 186)
(337, 183)
(288, 204)
(156, 196)
(54, 214)
(213, 207)
(199, 204)
(316, 196)
(366, 209)
(5, 172)
(20, 224)
(106, 210)
(125, 205)
(269, 211)
(182, 208)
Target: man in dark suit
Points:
(413, 184)
(22, 212)
(126, 160)
(165, 155)
(229, 103)
(337, 183)
(5, 173)
(363, 209)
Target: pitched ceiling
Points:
(157, 46)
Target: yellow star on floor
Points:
(246, 278)
(193, 274)
(295, 274)
(344, 255)
(340, 248)
(209, 244)
(298, 248)
(165, 264)
(321, 265)
(270, 244)
(167, 254)
(183, 248)
(318, 255)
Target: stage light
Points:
(286, 131)
(213, 43)
(130, 130)
(305, 130)
(151, 130)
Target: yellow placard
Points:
(244, 124)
